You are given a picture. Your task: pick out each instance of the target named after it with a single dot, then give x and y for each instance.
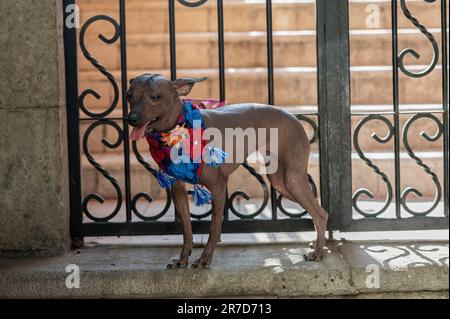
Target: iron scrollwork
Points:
(103, 171)
(146, 196)
(413, 52)
(197, 3)
(100, 118)
(236, 194)
(439, 132)
(419, 162)
(376, 169)
(98, 66)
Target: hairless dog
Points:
(156, 107)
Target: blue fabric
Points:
(216, 157)
(165, 180)
(201, 196)
(187, 172)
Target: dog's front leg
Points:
(218, 191)
(180, 200)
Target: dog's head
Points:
(155, 102)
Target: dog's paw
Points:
(202, 262)
(178, 263)
(313, 256)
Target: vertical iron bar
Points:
(126, 141)
(396, 108)
(445, 105)
(173, 52)
(226, 215)
(270, 52)
(221, 49)
(333, 73)
(73, 125)
(173, 49)
(220, 31)
(270, 87)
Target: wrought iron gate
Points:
(404, 216)
(333, 121)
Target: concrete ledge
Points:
(413, 269)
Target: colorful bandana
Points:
(188, 150)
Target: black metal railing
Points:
(332, 121)
(405, 216)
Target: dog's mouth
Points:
(139, 132)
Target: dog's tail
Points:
(313, 185)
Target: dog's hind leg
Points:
(180, 200)
(298, 186)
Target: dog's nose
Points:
(133, 119)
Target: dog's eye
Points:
(155, 98)
(129, 95)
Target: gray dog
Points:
(156, 107)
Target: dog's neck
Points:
(177, 110)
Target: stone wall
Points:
(34, 210)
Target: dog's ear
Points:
(183, 86)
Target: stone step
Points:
(363, 176)
(124, 270)
(248, 49)
(293, 85)
(241, 15)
